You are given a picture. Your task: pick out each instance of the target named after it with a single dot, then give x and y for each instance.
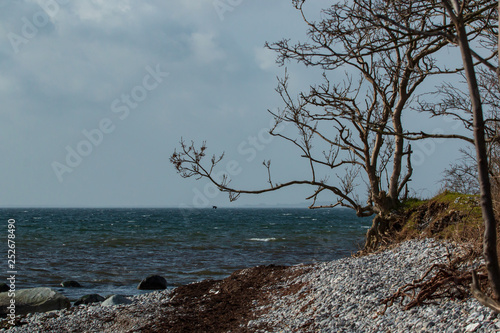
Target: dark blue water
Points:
(110, 250)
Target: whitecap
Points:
(262, 239)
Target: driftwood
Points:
(442, 281)
(482, 298)
(446, 283)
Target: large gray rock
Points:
(33, 300)
(71, 284)
(116, 300)
(153, 282)
(89, 299)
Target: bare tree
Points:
(457, 12)
(462, 22)
(349, 128)
(462, 176)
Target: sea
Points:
(109, 251)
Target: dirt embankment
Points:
(451, 216)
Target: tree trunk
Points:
(398, 157)
(498, 43)
(383, 206)
(490, 234)
(374, 235)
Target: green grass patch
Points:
(449, 215)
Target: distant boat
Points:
(214, 207)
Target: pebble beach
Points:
(344, 295)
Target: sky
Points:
(96, 95)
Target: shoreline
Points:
(338, 296)
(101, 248)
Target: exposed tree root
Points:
(481, 297)
(439, 281)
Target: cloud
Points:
(68, 72)
(100, 10)
(265, 58)
(204, 48)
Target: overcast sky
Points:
(96, 95)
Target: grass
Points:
(451, 216)
(411, 203)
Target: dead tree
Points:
(455, 12)
(462, 176)
(349, 128)
(455, 102)
(460, 22)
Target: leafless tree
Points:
(350, 126)
(461, 176)
(457, 13)
(471, 25)
(454, 102)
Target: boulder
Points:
(153, 282)
(116, 300)
(71, 284)
(33, 300)
(89, 299)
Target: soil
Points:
(433, 219)
(224, 305)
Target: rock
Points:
(472, 327)
(116, 300)
(71, 284)
(33, 300)
(4, 287)
(88, 299)
(430, 324)
(153, 282)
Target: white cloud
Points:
(204, 48)
(98, 10)
(196, 5)
(265, 58)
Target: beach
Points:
(344, 295)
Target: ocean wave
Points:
(111, 251)
(263, 239)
